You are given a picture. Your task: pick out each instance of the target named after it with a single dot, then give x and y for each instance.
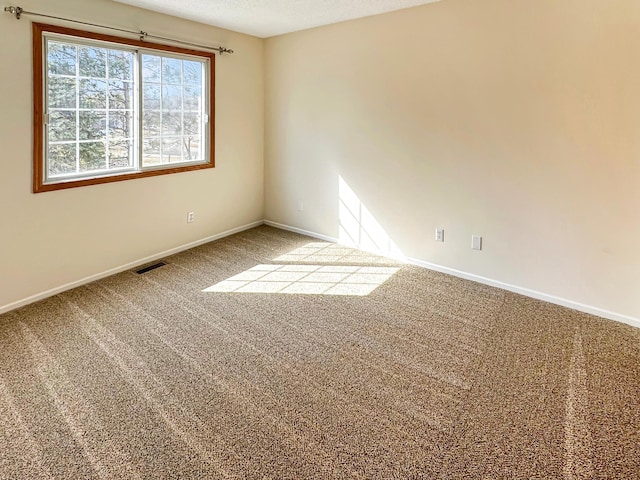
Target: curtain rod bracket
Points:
(143, 35)
(17, 11)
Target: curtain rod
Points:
(18, 12)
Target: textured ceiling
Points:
(266, 18)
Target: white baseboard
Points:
(634, 322)
(308, 233)
(122, 268)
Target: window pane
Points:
(93, 93)
(179, 126)
(61, 58)
(121, 154)
(62, 125)
(191, 124)
(93, 156)
(92, 62)
(171, 123)
(191, 148)
(192, 73)
(62, 159)
(120, 125)
(171, 97)
(121, 65)
(171, 149)
(151, 68)
(151, 97)
(192, 98)
(171, 71)
(62, 92)
(93, 125)
(151, 124)
(120, 95)
(151, 152)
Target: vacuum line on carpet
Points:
(578, 448)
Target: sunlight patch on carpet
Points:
(307, 279)
(329, 253)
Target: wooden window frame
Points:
(39, 185)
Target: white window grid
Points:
(137, 140)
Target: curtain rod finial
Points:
(17, 11)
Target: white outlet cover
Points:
(439, 234)
(476, 242)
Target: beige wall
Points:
(51, 239)
(515, 120)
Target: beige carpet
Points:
(428, 376)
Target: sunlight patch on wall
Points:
(358, 226)
(307, 279)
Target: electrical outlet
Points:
(191, 216)
(300, 206)
(476, 242)
(439, 234)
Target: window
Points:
(108, 108)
